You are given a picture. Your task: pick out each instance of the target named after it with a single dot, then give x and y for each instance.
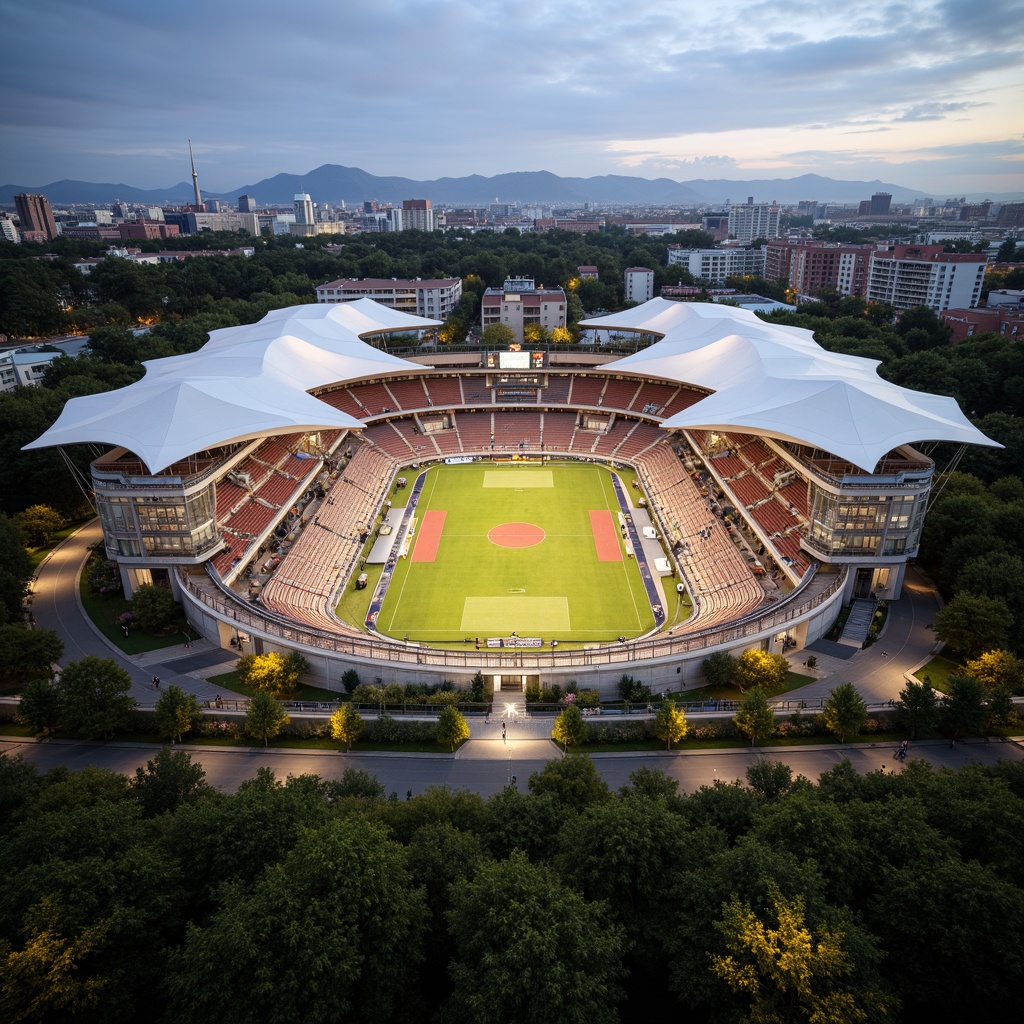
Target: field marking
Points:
(428, 540)
(432, 484)
(606, 539)
(498, 616)
(518, 478)
(625, 562)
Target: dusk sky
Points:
(923, 93)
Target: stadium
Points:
(571, 513)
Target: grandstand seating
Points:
(408, 394)
(652, 398)
(444, 392)
(619, 394)
(557, 390)
(511, 428)
(475, 390)
(586, 390)
(558, 430)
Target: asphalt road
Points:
(487, 766)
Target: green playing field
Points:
(516, 552)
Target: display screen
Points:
(514, 360)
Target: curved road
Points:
(485, 765)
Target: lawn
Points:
(937, 672)
(559, 569)
(231, 681)
(104, 610)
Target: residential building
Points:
(1005, 298)
(435, 299)
(1005, 320)
(754, 220)
(24, 367)
(1011, 215)
(588, 273)
(8, 229)
(639, 284)
(578, 226)
(417, 215)
(923, 275)
(713, 266)
(35, 216)
(142, 229)
(519, 303)
(810, 267)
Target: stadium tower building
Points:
(782, 480)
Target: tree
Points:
(972, 624)
(755, 718)
(560, 336)
(845, 711)
(570, 729)
(95, 697)
(670, 723)
(999, 707)
(573, 782)
(27, 653)
(963, 710)
(347, 725)
(632, 691)
(787, 972)
(273, 672)
(177, 712)
(265, 717)
(529, 950)
(498, 335)
(40, 523)
(998, 668)
(770, 779)
(761, 668)
(40, 706)
(16, 570)
(452, 727)
(154, 607)
(350, 679)
(332, 932)
(918, 709)
(719, 669)
(168, 780)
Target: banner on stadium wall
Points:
(514, 641)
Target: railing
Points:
(234, 611)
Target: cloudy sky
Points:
(923, 93)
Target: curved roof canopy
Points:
(776, 380)
(245, 382)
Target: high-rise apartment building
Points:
(36, 216)
(924, 275)
(435, 299)
(417, 215)
(246, 204)
(754, 220)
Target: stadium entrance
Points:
(514, 683)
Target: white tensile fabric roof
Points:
(245, 382)
(776, 380)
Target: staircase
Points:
(855, 632)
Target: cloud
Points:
(111, 90)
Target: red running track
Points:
(429, 537)
(606, 540)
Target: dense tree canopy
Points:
(853, 898)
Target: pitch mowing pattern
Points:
(556, 589)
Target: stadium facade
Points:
(248, 475)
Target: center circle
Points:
(516, 535)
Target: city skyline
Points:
(926, 93)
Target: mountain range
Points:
(333, 183)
